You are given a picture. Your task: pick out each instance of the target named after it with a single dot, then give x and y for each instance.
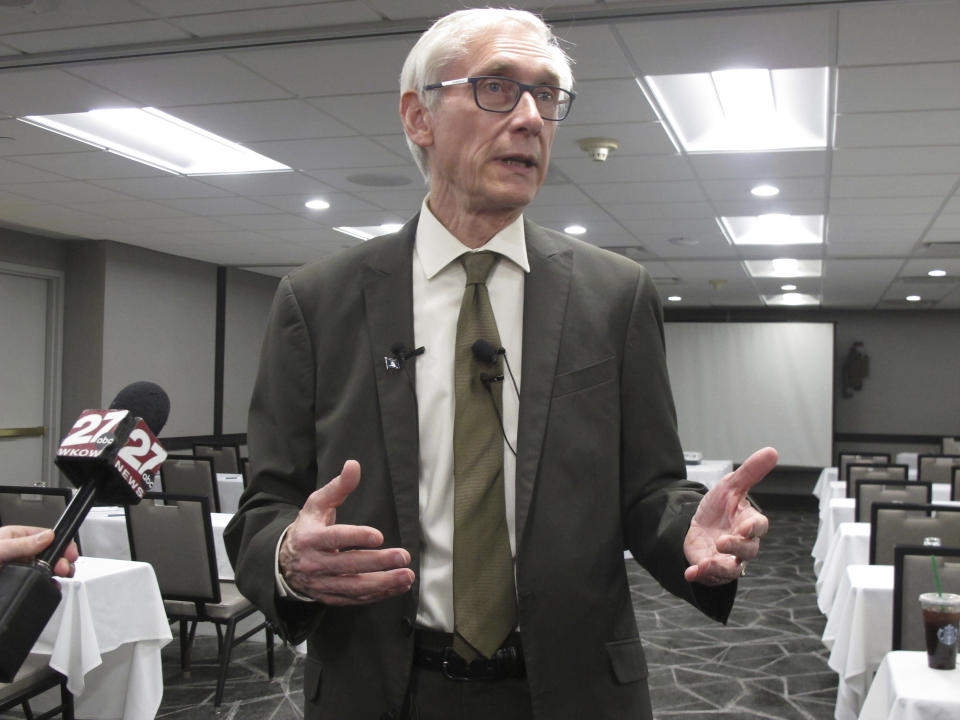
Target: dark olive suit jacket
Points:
(599, 470)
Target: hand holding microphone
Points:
(110, 455)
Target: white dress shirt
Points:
(438, 284)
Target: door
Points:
(30, 308)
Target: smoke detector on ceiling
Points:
(598, 148)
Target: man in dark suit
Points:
(365, 568)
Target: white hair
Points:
(449, 40)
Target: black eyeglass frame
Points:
(523, 88)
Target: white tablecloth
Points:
(106, 636)
(906, 689)
(859, 633)
(229, 488)
(104, 534)
(709, 472)
(850, 546)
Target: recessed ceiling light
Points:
(317, 204)
(937, 273)
(575, 229)
(774, 229)
(765, 191)
(792, 299)
(783, 268)
(788, 287)
(745, 110)
(154, 138)
(674, 298)
(913, 298)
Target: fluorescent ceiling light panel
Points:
(154, 138)
(791, 298)
(366, 232)
(774, 229)
(748, 110)
(783, 268)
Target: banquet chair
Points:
(189, 475)
(893, 524)
(936, 468)
(869, 471)
(950, 446)
(34, 678)
(37, 506)
(912, 575)
(226, 458)
(34, 506)
(174, 534)
(861, 458)
(889, 492)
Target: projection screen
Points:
(741, 386)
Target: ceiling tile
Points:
(930, 127)
(688, 44)
(43, 92)
(373, 114)
(277, 18)
(181, 80)
(91, 165)
(596, 97)
(326, 153)
(263, 120)
(925, 86)
(332, 68)
(896, 161)
(903, 32)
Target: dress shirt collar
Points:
(437, 247)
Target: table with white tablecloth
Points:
(859, 632)
(850, 546)
(229, 488)
(905, 688)
(106, 636)
(104, 534)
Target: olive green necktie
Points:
(484, 599)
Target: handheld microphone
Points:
(108, 454)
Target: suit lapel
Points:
(388, 293)
(546, 288)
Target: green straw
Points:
(936, 574)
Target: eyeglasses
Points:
(501, 95)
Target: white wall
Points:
(159, 325)
(249, 296)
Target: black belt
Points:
(434, 651)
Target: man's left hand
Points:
(725, 531)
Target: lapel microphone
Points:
(485, 352)
(399, 355)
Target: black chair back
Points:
(936, 468)
(869, 471)
(226, 458)
(889, 492)
(861, 458)
(913, 575)
(189, 475)
(893, 524)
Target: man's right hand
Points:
(313, 560)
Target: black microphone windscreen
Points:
(484, 351)
(145, 400)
